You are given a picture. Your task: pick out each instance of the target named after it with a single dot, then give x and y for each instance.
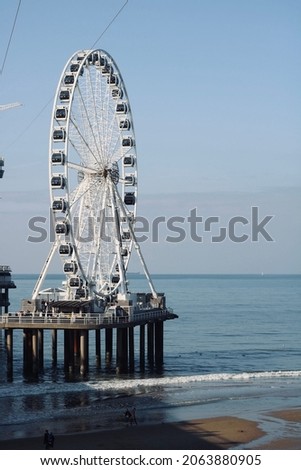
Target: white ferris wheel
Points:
(93, 178)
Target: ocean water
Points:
(234, 350)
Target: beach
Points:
(226, 432)
(230, 377)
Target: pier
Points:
(117, 331)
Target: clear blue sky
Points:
(215, 92)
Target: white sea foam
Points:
(140, 385)
(186, 380)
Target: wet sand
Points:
(224, 432)
(216, 433)
(286, 443)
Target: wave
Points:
(190, 379)
(137, 386)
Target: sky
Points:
(214, 87)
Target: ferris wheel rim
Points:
(92, 172)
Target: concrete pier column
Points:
(9, 349)
(159, 343)
(27, 350)
(68, 350)
(76, 343)
(35, 351)
(122, 350)
(142, 347)
(54, 346)
(97, 348)
(41, 348)
(73, 346)
(84, 351)
(131, 348)
(150, 343)
(109, 344)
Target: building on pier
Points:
(6, 283)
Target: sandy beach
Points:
(225, 432)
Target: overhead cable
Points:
(119, 11)
(45, 106)
(10, 38)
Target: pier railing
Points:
(11, 319)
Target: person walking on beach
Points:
(51, 440)
(128, 416)
(134, 420)
(46, 439)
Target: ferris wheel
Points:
(93, 177)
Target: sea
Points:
(234, 350)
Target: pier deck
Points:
(63, 322)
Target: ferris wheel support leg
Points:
(123, 288)
(44, 271)
(146, 272)
(137, 247)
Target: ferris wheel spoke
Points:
(108, 123)
(88, 116)
(96, 92)
(79, 167)
(82, 142)
(79, 192)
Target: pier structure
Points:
(114, 340)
